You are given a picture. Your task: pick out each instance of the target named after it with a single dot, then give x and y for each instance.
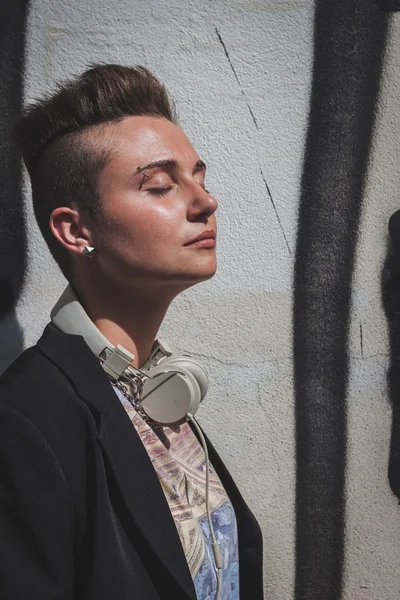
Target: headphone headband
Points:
(165, 389)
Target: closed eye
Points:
(159, 191)
(163, 191)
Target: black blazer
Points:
(82, 513)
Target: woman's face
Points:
(154, 204)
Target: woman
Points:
(105, 488)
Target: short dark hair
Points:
(63, 162)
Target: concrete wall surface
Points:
(244, 75)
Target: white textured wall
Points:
(239, 324)
(373, 513)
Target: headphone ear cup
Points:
(170, 394)
(189, 364)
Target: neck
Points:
(129, 318)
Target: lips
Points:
(208, 234)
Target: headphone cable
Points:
(215, 546)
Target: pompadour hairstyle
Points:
(63, 161)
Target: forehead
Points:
(143, 139)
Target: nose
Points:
(202, 205)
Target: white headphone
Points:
(165, 390)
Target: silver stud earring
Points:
(87, 252)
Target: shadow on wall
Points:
(13, 17)
(349, 44)
(389, 5)
(391, 303)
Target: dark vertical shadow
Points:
(349, 42)
(389, 5)
(391, 303)
(13, 17)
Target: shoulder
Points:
(42, 410)
(35, 387)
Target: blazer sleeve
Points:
(36, 515)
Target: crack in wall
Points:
(221, 41)
(276, 211)
(236, 77)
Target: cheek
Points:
(143, 228)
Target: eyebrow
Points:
(169, 163)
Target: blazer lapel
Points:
(128, 459)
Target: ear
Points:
(68, 228)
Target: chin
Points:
(199, 276)
(187, 279)
(205, 271)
